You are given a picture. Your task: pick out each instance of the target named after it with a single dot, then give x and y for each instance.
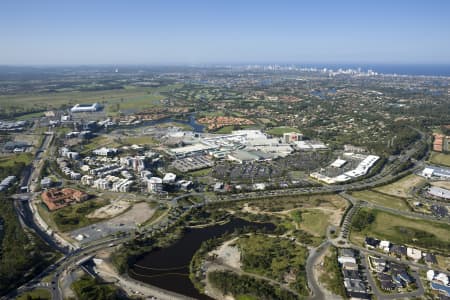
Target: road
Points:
(311, 261)
(382, 296)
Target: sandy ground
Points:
(110, 210)
(228, 255)
(250, 209)
(138, 214)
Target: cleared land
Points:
(403, 230)
(402, 187)
(382, 199)
(110, 210)
(440, 158)
(228, 254)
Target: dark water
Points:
(168, 268)
(191, 122)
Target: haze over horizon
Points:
(205, 32)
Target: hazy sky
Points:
(223, 31)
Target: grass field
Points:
(440, 159)
(35, 294)
(199, 173)
(123, 99)
(10, 160)
(382, 199)
(278, 131)
(404, 230)
(401, 187)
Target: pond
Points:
(168, 268)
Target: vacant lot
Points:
(110, 210)
(440, 158)
(402, 187)
(404, 230)
(382, 199)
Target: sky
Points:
(55, 32)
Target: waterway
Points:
(168, 268)
(191, 121)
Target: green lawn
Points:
(382, 199)
(403, 230)
(35, 294)
(279, 131)
(440, 159)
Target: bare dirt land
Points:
(402, 187)
(110, 210)
(228, 254)
(138, 214)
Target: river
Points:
(168, 268)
